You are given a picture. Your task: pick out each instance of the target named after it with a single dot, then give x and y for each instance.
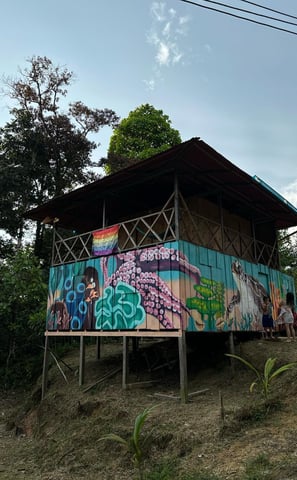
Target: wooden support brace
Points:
(176, 397)
(102, 379)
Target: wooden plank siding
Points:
(168, 287)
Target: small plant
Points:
(258, 468)
(136, 444)
(269, 373)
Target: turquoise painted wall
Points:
(170, 286)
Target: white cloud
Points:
(163, 54)
(165, 36)
(150, 83)
(166, 29)
(157, 10)
(290, 193)
(182, 29)
(183, 20)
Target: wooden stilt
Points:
(125, 362)
(232, 351)
(98, 348)
(82, 356)
(231, 343)
(45, 368)
(182, 349)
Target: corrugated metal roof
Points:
(201, 171)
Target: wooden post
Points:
(125, 362)
(222, 224)
(104, 214)
(256, 259)
(176, 207)
(45, 367)
(232, 351)
(182, 349)
(222, 408)
(98, 339)
(98, 348)
(82, 357)
(53, 245)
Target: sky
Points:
(230, 82)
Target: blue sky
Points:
(230, 82)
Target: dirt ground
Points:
(220, 430)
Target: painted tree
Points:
(44, 151)
(145, 132)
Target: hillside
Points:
(57, 439)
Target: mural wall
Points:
(170, 286)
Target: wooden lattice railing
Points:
(159, 227)
(139, 232)
(207, 233)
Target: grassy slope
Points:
(58, 438)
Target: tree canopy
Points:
(287, 247)
(44, 151)
(145, 132)
(22, 313)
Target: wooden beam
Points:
(182, 348)
(98, 348)
(125, 362)
(176, 206)
(147, 383)
(232, 351)
(102, 379)
(114, 333)
(176, 397)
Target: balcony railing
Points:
(215, 236)
(139, 232)
(159, 227)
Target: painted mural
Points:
(171, 286)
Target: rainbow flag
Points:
(105, 241)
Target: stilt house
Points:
(184, 241)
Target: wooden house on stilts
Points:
(182, 242)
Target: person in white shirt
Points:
(286, 316)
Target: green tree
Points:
(287, 247)
(44, 152)
(22, 316)
(145, 132)
(22, 172)
(6, 248)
